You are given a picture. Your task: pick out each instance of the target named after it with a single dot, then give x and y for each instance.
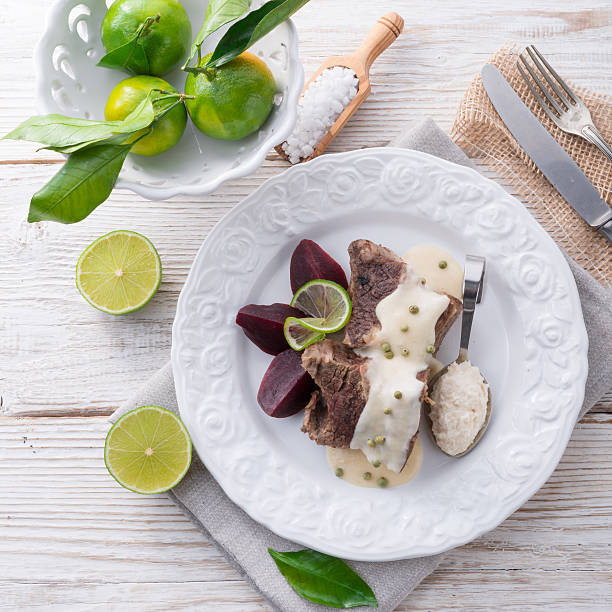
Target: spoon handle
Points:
(473, 279)
(384, 32)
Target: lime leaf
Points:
(323, 579)
(218, 13)
(131, 56)
(246, 32)
(83, 183)
(67, 134)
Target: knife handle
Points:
(607, 230)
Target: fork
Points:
(572, 116)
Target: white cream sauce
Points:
(392, 412)
(354, 465)
(425, 260)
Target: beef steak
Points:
(333, 412)
(375, 273)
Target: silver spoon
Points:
(473, 280)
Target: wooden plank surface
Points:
(70, 538)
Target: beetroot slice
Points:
(286, 386)
(263, 325)
(310, 261)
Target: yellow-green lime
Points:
(165, 133)
(298, 336)
(327, 304)
(119, 272)
(148, 450)
(165, 42)
(231, 101)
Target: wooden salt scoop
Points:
(384, 32)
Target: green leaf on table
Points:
(84, 182)
(323, 579)
(218, 13)
(246, 32)
(131, 56)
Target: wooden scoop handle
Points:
(384, 32)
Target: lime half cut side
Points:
(327, 304)
(119, 272)
(299, 336)
(148, 450)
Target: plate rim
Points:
(573, 294)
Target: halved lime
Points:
(119, 272)
(148, 450)
(298, 336)
(327, 303)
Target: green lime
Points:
(298, 336)
(128, 94)
(148, 450)
(119, 272)
(327, 303)
(231, 101)
(166, 42)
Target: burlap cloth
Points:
(480, 132)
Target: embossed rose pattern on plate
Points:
(529, 338)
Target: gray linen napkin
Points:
(244, 542)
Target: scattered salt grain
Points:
(322, 103)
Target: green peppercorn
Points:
(405, 352)
(376, 463)
(442, 264)
(397, 395)
(382, 482)
(339, 472)
(371, 443)
(367, 475)
(430, 348)
(404, 328)
(413, 309)
(387, 410)
(379, 440)
(386, 347)
(389, 354)
(422, 281)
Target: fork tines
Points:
(566, 97)
(561, 105)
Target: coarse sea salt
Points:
(322, 103)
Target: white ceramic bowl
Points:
(69, 82)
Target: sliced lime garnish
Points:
(148, 450)
(298, 336)
(327, 304)
(119, 272)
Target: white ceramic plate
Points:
(529, 338)
(69, 82)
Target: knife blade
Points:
(547, 154)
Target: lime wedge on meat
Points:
(326, 303)
(298, 336)
(119, 272)
(148, 450)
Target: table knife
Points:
(547, 154)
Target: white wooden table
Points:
(70, 537)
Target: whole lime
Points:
(166, 42)
(231, 101)
(126, 96)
